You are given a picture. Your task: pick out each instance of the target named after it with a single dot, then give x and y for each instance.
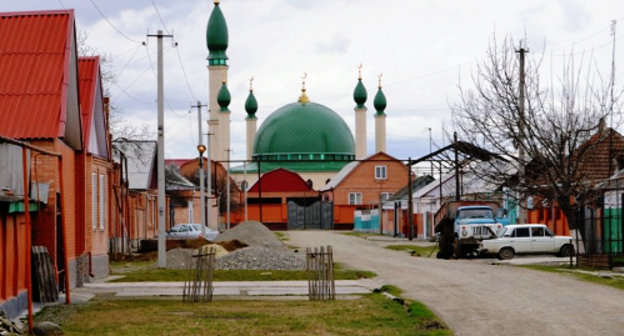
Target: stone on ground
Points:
(252, 233)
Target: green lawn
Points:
(416, 250)
(615, 281)
(142, 273)
(372, 314)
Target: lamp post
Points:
(202, 204)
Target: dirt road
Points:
(475, 298)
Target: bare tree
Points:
(120, 129)
(546, 135)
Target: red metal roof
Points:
(88, 68)
(34, 63)
(281, 180)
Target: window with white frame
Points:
(102, 201)
(94, 204)
(381, 173)
(355, 198)
(386, 196)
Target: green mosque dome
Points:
(217, 37)
(359, 94)
(251, 105)
(304, 131)
(224, 98)
(380, 102)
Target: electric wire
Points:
(112, 25)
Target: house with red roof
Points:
(42, 105)
(98, 165)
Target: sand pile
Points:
(252, 233)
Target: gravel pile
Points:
(252, 233)
(261, 258)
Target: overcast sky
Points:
(423, 48)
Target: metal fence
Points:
(320, 266)
(198, 286)
(600, 240)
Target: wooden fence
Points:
(320, 267)
(198, 286)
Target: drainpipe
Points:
(28, 240)
(64, 229)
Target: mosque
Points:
(304, 137)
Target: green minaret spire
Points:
(217, 37)
(251, 104)
(380, 100)
(223, 98)
(359, 94)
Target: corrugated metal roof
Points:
(34, 60)
(87, 76)
(141, 157)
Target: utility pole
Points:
(522, 216)
(162, 258)
(457, 193)
(227, 188)
(201, 149)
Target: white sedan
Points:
(527, 239)
(190, 231)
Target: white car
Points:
(190, 231)
(527, 239)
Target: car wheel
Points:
(566, 250)
(506, 253)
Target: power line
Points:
(160, 17)
(188, 83)
(129, 60)
(112, 25)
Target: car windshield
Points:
(196, 227)
(504, 231)
(475, 213)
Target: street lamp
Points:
(202, 204)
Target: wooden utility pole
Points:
(410, 199)
(522, 216)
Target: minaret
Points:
(217, 42)
(380, 119)
(223, 99)
(359, 96)
(251, 106)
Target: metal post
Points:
(227, 189)
(430, 150)
(457, 193)
(201, 148)
(209, 182)
(245, 191)
(410, 199)
(260, 188)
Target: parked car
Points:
(190, 231)
(527, 239)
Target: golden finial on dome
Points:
(360, 71)
(379, 79)
(251, 83)
(224, 78)
(216, 2)
(303, 98)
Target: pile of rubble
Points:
(8, 327)
(248, 245)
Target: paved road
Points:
(475, 298)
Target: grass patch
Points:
(163, 274)
(360, 234)
(390, 289)
(281, 235)
(615, 281)
(419, 251)
(373, 314)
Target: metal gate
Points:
(319, 216)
